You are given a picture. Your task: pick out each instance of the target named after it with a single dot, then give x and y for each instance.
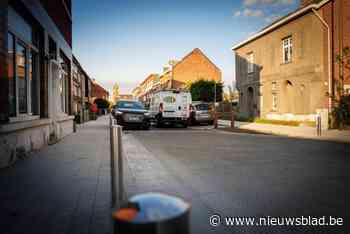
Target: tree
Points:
(102, 103)
(343, 60)
(115, 92)
(204, 90)
(341, 110)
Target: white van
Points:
(170, 107)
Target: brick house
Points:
(194, 66)
(147, 87)
(81, 91)
(288, 70)
(35, 75)
(177, 74)
(98, 92)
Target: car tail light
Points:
(161, 109)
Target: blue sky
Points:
(124, 41)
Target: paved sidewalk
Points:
(63, 188)
(301, 132)
(144, 173)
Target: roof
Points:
(291, 16)
(196, 50)
(76, 61)
(149, 77)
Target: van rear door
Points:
(184, 104)
(169, 104)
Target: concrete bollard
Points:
(74, 126)
(152, 213)
(232, 119)
(215, 120)
(319, 125)
(116, 159)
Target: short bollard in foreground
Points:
(153, 213)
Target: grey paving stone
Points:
(63, 188)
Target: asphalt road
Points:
(247, 175)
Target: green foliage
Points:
(102, 103)
(341, 112)
(204, 90)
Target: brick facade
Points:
(195, 66)
(177, 74)
(299, 88)
(43, 120)
(3, 63)
(97, 91)
(338, 13)
(60, 13)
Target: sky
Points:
(120, 41)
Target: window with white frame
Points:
(274, 101)
(287, 47)
(63, 91)
(250, 60)
(274, 86)
(22, 59)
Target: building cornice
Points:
(281, 22)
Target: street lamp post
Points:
(215, 114)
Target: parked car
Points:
(201, 113)
(170, 107)
(131, 114)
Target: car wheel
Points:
(146, 126)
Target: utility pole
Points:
(215, 115)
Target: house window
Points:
(22, 67)
(62, 89)
(21, 61)
(274, 101)
(22, 74)
(287, 49)
(34, 82)
(11, 75)
(274, 86)
(250, 60)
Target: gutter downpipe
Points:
(330, 85)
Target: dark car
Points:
(131, 114)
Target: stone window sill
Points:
(23, 117)
(20, 125)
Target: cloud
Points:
(237, 13)
(247, 12)
(267, 2)
(272, 18)
(252, 13)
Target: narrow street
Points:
(242, 175)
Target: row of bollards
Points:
(150, 213)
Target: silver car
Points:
(201, 113)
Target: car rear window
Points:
(169, 99)
(130, 105)
(202, 107)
